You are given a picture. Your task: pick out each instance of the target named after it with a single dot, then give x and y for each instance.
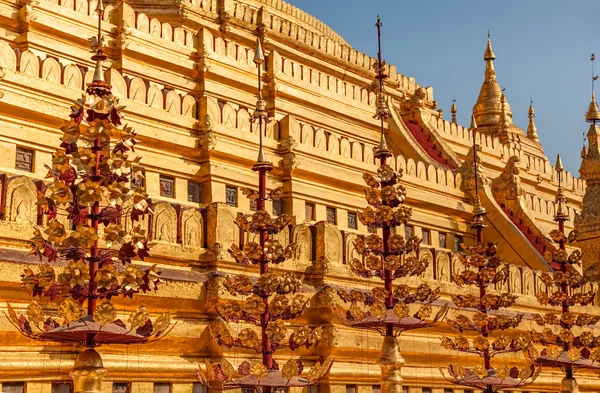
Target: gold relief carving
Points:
(515, 279)
(528, 283)
(215, 287)
(325, 298)
(507, 186)
(164, 223)
(21, 201)
(122, 33)
(426, 256)
(208, 140)
(303, 240)
(351, 251)
(416, 102)
(215, 252)
(192, 229)
(226, 9)
(27, 11)
(289, 160)
(321, 266)
(442, 267)
(468, 174)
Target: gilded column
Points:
(391, 362)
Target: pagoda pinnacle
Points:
(487, 110)
(531, 128)
(593, 113)
(503, 123)
(453, 111)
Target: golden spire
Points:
(487, 109)
(382, 112)
(560, 200)
(478, 210)
(503, 123)
(531, 128)
(593, 114)
(489, 52)
(583, 148)
(99, 56)
(453, 111)
(260, 114)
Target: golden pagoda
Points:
(185, 73)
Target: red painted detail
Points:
(427, 142)
(526, 231)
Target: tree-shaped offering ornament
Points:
(486, 323)
(395, 307)
(568, 344)
(392, 308)
(267, 301)
(86, 204)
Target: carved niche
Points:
(303, 240)
(351, 252)
(426, 256)
(514, 277)
(21, 201)
(164, 226)
(442, 267)
(192, 229)
(528, 282)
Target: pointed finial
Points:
(100, 8)
(382, 143)
(259, 56)
(98, 72)
(531, 128)
(489, 54)
(559, 165)
(261, 155)
(594, 77)
(560, 199)
(473, 123)
(453, 111)
(593, 113)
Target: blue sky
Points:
(542, 47)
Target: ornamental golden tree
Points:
(267, 301)
(484, 313)
(395, 307)
(568, 344)
(86, 203)
(484, 269)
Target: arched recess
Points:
(21, 199)
(192, 229)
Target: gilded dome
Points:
(488, 109)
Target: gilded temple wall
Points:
(184, 71)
